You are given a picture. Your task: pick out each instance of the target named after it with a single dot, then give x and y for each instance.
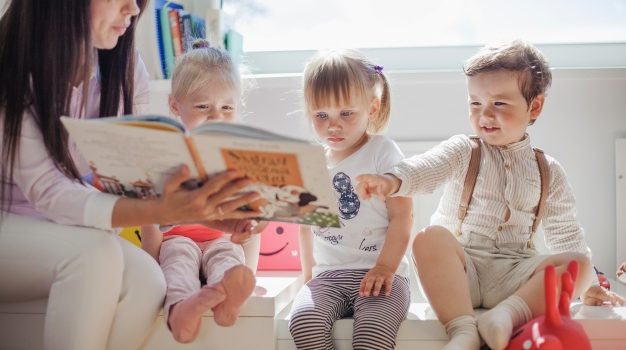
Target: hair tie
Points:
(200, 44)
(378, 69)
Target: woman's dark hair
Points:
(46, 49)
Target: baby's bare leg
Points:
(497, 324)
(237, 285)
(185, 317)
(440, 262)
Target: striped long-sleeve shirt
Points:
(505, 196)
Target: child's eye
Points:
(228, 108)
(498, 103)
(203, 107)
(346, 114)
(321, 115)
(474, 103)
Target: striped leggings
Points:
(333, 295)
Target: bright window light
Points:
(285, 25)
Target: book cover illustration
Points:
(278, 180)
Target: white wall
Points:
(584, 114)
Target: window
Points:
(401, 28)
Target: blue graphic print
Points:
(349, 203)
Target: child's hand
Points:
(621, 273)
(244, 237)
(596, 295)
(375, 279)
(381, 186)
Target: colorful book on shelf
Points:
(166, 37)
(198, 26)
(133, 156)
(157, 21)
(185, 30)
(177, 40)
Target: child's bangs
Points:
(215, 77)
(333, 85)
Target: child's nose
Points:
(212, 114)
(334, 124)
(487, 113)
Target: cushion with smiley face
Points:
(280, 247)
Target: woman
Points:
(77, 58)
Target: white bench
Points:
(21, 324)
(263, 324)
(605, 326)
(256, 326)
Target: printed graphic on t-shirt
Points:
(348, 201)
(332, 239)
(365, 246)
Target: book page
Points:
(241, 130)
(129, 160)
(291, 177)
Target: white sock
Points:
(497, 325)
(463, 334)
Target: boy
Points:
(484, 245)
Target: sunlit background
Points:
(303, 25)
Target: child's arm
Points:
(381, 186)
(251, 250)
(306, 252)
(250, 240)
(400, 211)
(151, 239)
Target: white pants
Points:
(102, 291)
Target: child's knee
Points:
(309, 321)
(585, 266)
(584, 263)
(431, 236)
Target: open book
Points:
(134, 156)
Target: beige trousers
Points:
(102, 291)
(496, 270)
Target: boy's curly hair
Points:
(517, 56)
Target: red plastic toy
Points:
(555, 330)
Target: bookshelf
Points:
(183, 21)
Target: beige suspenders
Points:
(472, 174)
(470, 181)
(544, 175)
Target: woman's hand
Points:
(216, 199)
(381, 186)
(375, 279)
(597, 295)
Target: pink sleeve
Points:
(51, 193)
(142, 87)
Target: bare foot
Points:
(186, 316)
(237, 284)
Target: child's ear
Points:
(536, 106)
(173, 105)
(374, 107)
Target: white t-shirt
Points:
(360, 239)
